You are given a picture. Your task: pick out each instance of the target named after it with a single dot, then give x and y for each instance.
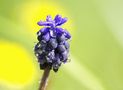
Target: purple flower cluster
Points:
(53, 47)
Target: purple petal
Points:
(66, 45)
(64, 56)
(58, 18)
(49, 60)
(41, 58)
(53, 43)
(43, 23)
(52, 33)
(67, 34)
(46, 37)
(59, 31)
(43, 45)
(44, 30)
(61, 48)
(39, 33)
(51, 55)
(37, 46)
(49, 18)
(61, 38)
(57, 57)
(63, 20)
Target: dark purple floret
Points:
(66, 44)
(61, 48)
(53, 43)
(52, 48)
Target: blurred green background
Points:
(96, 47)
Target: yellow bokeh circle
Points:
(32, 12)
(16, 66)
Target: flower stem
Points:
(44, 80)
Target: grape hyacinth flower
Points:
(52, 48)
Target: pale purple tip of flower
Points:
(58, 21)
(49, 18)
(44, 23)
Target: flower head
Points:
(53, 47)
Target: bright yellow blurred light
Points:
(32, 12)
(16, 66)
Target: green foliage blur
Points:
(96, 52)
